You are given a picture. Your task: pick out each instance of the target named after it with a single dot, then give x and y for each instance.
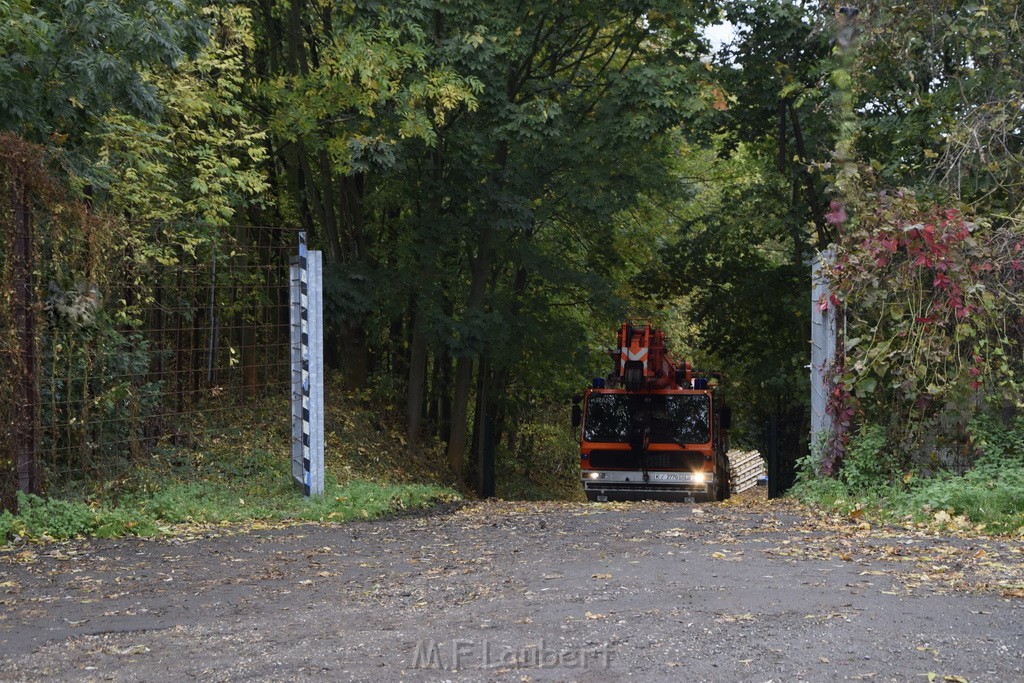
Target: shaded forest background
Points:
(495, 185)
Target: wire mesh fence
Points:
(140, 331)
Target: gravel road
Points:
(748, 590)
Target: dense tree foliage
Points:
(65, 64)
(739, 262)
(930, 221)
(496, 184)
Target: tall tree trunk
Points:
(814, 201)
(398, 358)
(417, 366)
(502, 374)
(481, 273)
(480, 414)
(328, 213)
(439, 410)
(479, 406)
(444, 403)
(432, 393)
(352, 252)
(464, 367)
(355, 343)
(460, 409)
(418, 345)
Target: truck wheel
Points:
(723, 485)
(634, 376)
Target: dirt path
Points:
(522, 592)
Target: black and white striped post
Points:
(307, 363)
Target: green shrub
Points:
(142, 514)
(52, 517)
(825, 491)
(991, 494)
(60, 519)
(224, 473)
(867, 466)
(192, 502)
(364, 499)
(997, 444)
(6, 526)
(123, 522)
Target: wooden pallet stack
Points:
(745, 467)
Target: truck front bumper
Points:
(634, 485)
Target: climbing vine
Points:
(934, 301)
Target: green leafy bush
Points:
(867, 465)
(992, 492)
(52, 517)
(6, 526)
(998, 444)
(989, 496)
(927, 291)
(824, 491)
(123, 522)
(234, 475)
(60, 519)
(147, 515)
(189, 502)
(982, 496)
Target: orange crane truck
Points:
(652, 430)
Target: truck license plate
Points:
(666, 476)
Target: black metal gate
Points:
(785, 442)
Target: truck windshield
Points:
(672, 418)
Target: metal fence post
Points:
(27, 430)
(823, 348)
(296, 277)
(316, 373)
(774, 475)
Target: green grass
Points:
(240, 475)
(181, 505)
(973, 501)
(989, 497)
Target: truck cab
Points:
(665, 444)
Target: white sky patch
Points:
(719, 35)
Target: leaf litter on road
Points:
(426, 569)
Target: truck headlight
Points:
(699, 478)
(594, 475)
